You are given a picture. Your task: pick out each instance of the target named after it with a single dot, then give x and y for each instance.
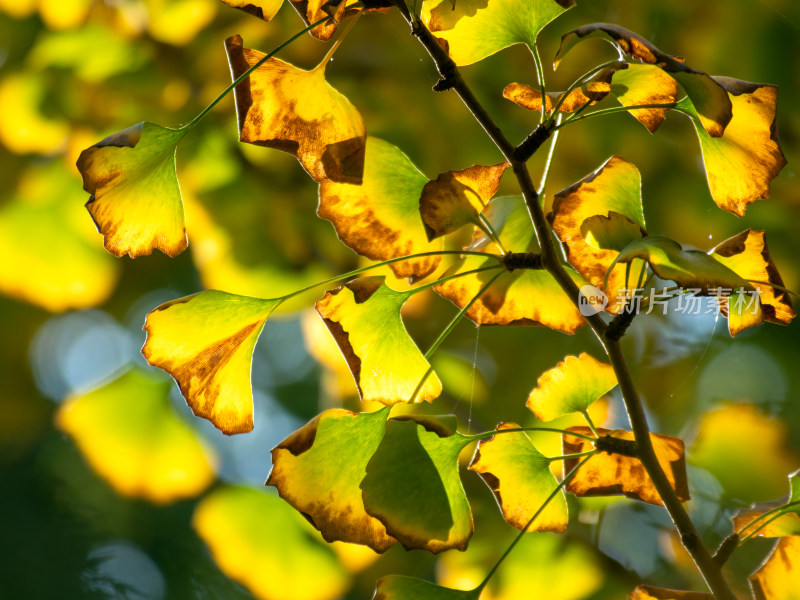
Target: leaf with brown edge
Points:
(741, 164)
(571, 386)
(783, 518)
(520, 479)
(614, 193)
(648, 592)
(364, 318)
(261, 9)
(135, 197)
(590, 92)
(713, 106)
(380, 218)
(471, 30)
(401, 587)
(606, 474)
(508, 300)
(312, 11)
(281, 106)
(778, 577)
(319, 467)
(645, 84)
(206, 342)
(456, 198)
(413, 486)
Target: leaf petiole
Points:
(488, 434)
(569, 456)
(770, 516)
(618, 109)
(577, 83)
(426, 286)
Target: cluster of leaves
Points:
(375, 479)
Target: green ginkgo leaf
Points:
(521, 481)
(742, 162)
(471, 30)
(206, 343)
(364, 318)
(259, 541)
(645, 84)
(413, 486)
(572, 386)
(380, 218)
(399, 587)
(508, 300)
(136, 200)
(319, 467)
(131, 436)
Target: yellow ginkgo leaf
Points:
(297, 111)
(206, 343)
(133, 439)
(645, 84)
(262, 9)
(778, 577)
(648, 592)
(531, 98)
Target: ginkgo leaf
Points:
(380, 218)
(364, 318)
(400, 587)
(648, 592)
(608, 474)
(312, 11)
(531, 98)
(778, 577)
(259, 541)
(413, 486)
(508, 299)
(135, 197)
(297, 111)
(645, 84)
(206, 342)
(520, 479)
(456, 198)
(261, 9)
(713, 106)
(130, 435)
(571, 386)
(471, 30)
(319, 467)
(741, 164)
(779, 523)
(613, 192)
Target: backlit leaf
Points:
(508, 299)
(135, 197)
(206, 342)
(262, 9)
(648, 592)
(713, 106)
(520, 478)
(297, 111)
(645, 84)
(130, 435)
(364, 318)
(571, 386)
(413, 486)
(787, 523)
(778, 577)
(312, 11)
(741, 164)
(380, 217)
(319, 467)
(531, 98)
(456, 198)
(399, 587)
(606, 474)
(259, 541)
(612, 192)
(473, 29)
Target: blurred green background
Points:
(74, 71)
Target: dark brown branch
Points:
(619, 446)
(522, 260)
(619, 324)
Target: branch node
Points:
(726, 548)
(523, 260)
(614, 445)
(533, 142)
(690, 541)
(619, 324)
(444, 84)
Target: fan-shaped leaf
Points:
(380, 217)
(713, 106)
(259, 541)
(508, 299)
(456, 198)
(413, 487)
(608, 474)
(399, 587)
(531, 98)
(136, 200)
(571, 386)
(741, 164)
(780, 522)
(297, 111)
(132, 438)
(645, 84)
(471, 30)
(364, 318)
(648, 592)
(206, 342)
(318, 470)
(520, 478)
(778, 577)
